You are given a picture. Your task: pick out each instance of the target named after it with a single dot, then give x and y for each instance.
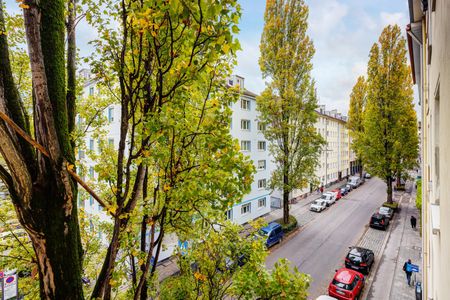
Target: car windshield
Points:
(317, 202)
(342, 285)
(354, 257)
(326, 197)
(384, 210)
(264, 231)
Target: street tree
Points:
(390, 135)
(287, 105)
(42, 191)
(356, 118)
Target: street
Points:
(320, 247)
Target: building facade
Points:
(246, 129)
(428, 37)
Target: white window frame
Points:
(260, 143)
(229, 214)
(260, 162)
(262, 200)
(244, 144)
(110, 114)
(262, 183)
(246, 208)
(245, 104)
(245, 125)
(261, 126)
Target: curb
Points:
(369, 279)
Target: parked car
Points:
(359, 259)
(387, 211)
(318, 205)
(344, 190)
(367, 176)
(349, 187)
(272, 233)
(354, 181)
(379, 221)
(329, 198)
(325, 297)
(338, 193)
(346, 284)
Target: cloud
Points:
(325, 15)
(392, 18)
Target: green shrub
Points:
(393, 205)
(290, 226)
(419, 195)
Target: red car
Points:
(338, 193)
(347, 284)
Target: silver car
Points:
(388, 212)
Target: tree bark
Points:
(285, 199)
(40, 187)
(389, 188)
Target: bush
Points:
(393, 205)
(290, 226)
(419, 195)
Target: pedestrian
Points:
(321, 189)
(413, 222)
(408, 271)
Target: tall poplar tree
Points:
(355, 118)
(287, 105)
(390, 143)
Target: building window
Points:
(245, 208)
(245, 104)
(111, 114)
(91, 91)
(246, 146)
(91, 144)
(91, 172)
(245, 124)
(111, 142)
(262, 202)
(91, 200)
(80, 154)
(229, 214)
(262, 183)
(262, 145)
(261, 126)
(262, 164)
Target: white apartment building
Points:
(428, 37)
(245, 128)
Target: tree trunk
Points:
(285, 199)
(389, 188)
(71, 65)
(362, 169)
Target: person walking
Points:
(408, 271)
(413, 222)
(321, 189)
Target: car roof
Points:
(345, 275)
(385, 208)
(358, 250)
(272, 225)
(377, 215)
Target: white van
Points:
(354, 181)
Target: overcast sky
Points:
(343, 32)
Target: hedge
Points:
(290, 226)
(393, 205)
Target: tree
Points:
(42, 191)
(356, 118)
(390, 134)
(287, 106)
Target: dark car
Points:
(272, 234)
(345, 189)
(347, 284)
(379, 221)
(359, 259)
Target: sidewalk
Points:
(404, 243)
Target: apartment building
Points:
(245, 128)
(428, 37)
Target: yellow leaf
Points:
(70, 167)
(166, 187)
(24, 6)
(140, 262)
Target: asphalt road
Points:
(320, 247)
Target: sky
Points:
(343, 31)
